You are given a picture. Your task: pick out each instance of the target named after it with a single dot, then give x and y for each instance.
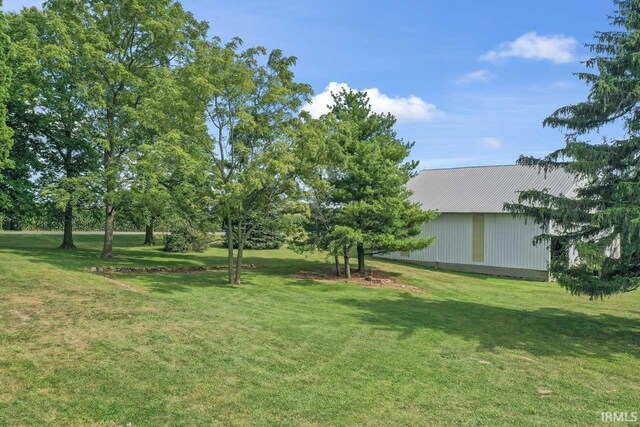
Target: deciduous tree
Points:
(125, 42)
(251, 101)
(56, 103)
(5, 78)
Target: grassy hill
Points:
(187, 349)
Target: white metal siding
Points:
(507, 242)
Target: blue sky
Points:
(470, 81)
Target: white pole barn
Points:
(473, 232)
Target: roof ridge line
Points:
(470, 167)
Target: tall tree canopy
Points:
(54, 99)
(5, 80)
(166, 174)
(17, 188)
(320, 140)
(124, 44)
(603, 221)
(356, 175)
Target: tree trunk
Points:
(347, 267)
(238, 280)
(337, 266)
(67, 239)
(149, 239)
(110, 172)
(107, 247)
(230, 250)
(361, 266)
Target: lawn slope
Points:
(186, 349)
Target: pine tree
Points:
(369, 181)
(602, 221)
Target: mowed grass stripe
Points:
(188, 349)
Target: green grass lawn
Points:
(186, 349)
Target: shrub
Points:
(186, 239)
(264, 236)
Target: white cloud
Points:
(474, 76)
(491, 142)
(561, 84)
(556, 48)
(409, 109)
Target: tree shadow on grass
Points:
(127, 252)
(168, 283)
(543, 332)
(453, 273)
(130, 252)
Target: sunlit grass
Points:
(187, 349)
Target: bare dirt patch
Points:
(20, 315)
(378, 279)
(21, 299)
(120, 284)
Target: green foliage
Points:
(125, 101)
(264, 232)
(18, 191)
(262, 238)
(5, 79)
(49, 100)
(250, 99)
(125, 46)
(46, 215)
(361, 189)
(184, 238)
(603, 221)
(318, 142)
(342, 239)
(168, 177)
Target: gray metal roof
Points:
(484, 189)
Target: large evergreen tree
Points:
(602, 222)
(369, 183)
(320, 142)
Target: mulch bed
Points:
(379, 279)
(161, 269)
